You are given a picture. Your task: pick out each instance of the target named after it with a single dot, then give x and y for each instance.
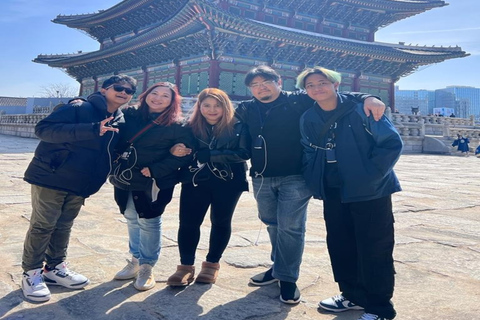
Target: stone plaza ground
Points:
(437, 253)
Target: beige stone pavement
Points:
(437, 253)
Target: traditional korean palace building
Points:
(204, 43)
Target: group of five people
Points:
(348, 166)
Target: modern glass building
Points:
(408, 100)
(465, 100)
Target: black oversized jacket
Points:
(71, 155)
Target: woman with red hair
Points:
(144, 186)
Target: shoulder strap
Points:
(340, 113)
(141, 132)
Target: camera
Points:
(258, 143)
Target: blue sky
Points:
(26, 31)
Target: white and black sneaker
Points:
(62, 276)
(34, 287)
(338, 303)
(263, 279)
(371, 316)
(289, 292)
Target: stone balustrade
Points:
(412, 118)
(416, 125)
(473, 134)
(412, 128)
(21, 118)
(22, 125)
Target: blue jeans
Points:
(144, 235)
(282, 205)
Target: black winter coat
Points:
(152, 150)
(222, 157)
(278, 123)
(72, 156)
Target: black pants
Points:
(222, 197)
(360, 240)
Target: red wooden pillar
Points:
(214, 74)
(356, 82)
(145, 79)
(391, 95)
(95, 88)
(178, 75)
(80, 92)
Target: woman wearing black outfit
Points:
(141, 199)
(216, 180)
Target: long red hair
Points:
(172, 114)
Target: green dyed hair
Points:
(332, 76)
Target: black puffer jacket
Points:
(152, 150)
(71, 155)
(222, 157)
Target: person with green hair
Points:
(348, 163)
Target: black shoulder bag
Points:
(121, 175)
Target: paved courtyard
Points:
(437, 253)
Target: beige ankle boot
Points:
(182, 277)
(209, 272)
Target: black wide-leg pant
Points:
(360, 240)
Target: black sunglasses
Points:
(119, 88)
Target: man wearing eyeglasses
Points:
(273, 117)
(71, 162)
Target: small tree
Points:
(58, 90)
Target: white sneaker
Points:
(62, 276)
(145, 280)
(130, 271)
(33, 286)
(371, 316)
(338, 303)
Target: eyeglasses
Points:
(119, 88)
(261, 84)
